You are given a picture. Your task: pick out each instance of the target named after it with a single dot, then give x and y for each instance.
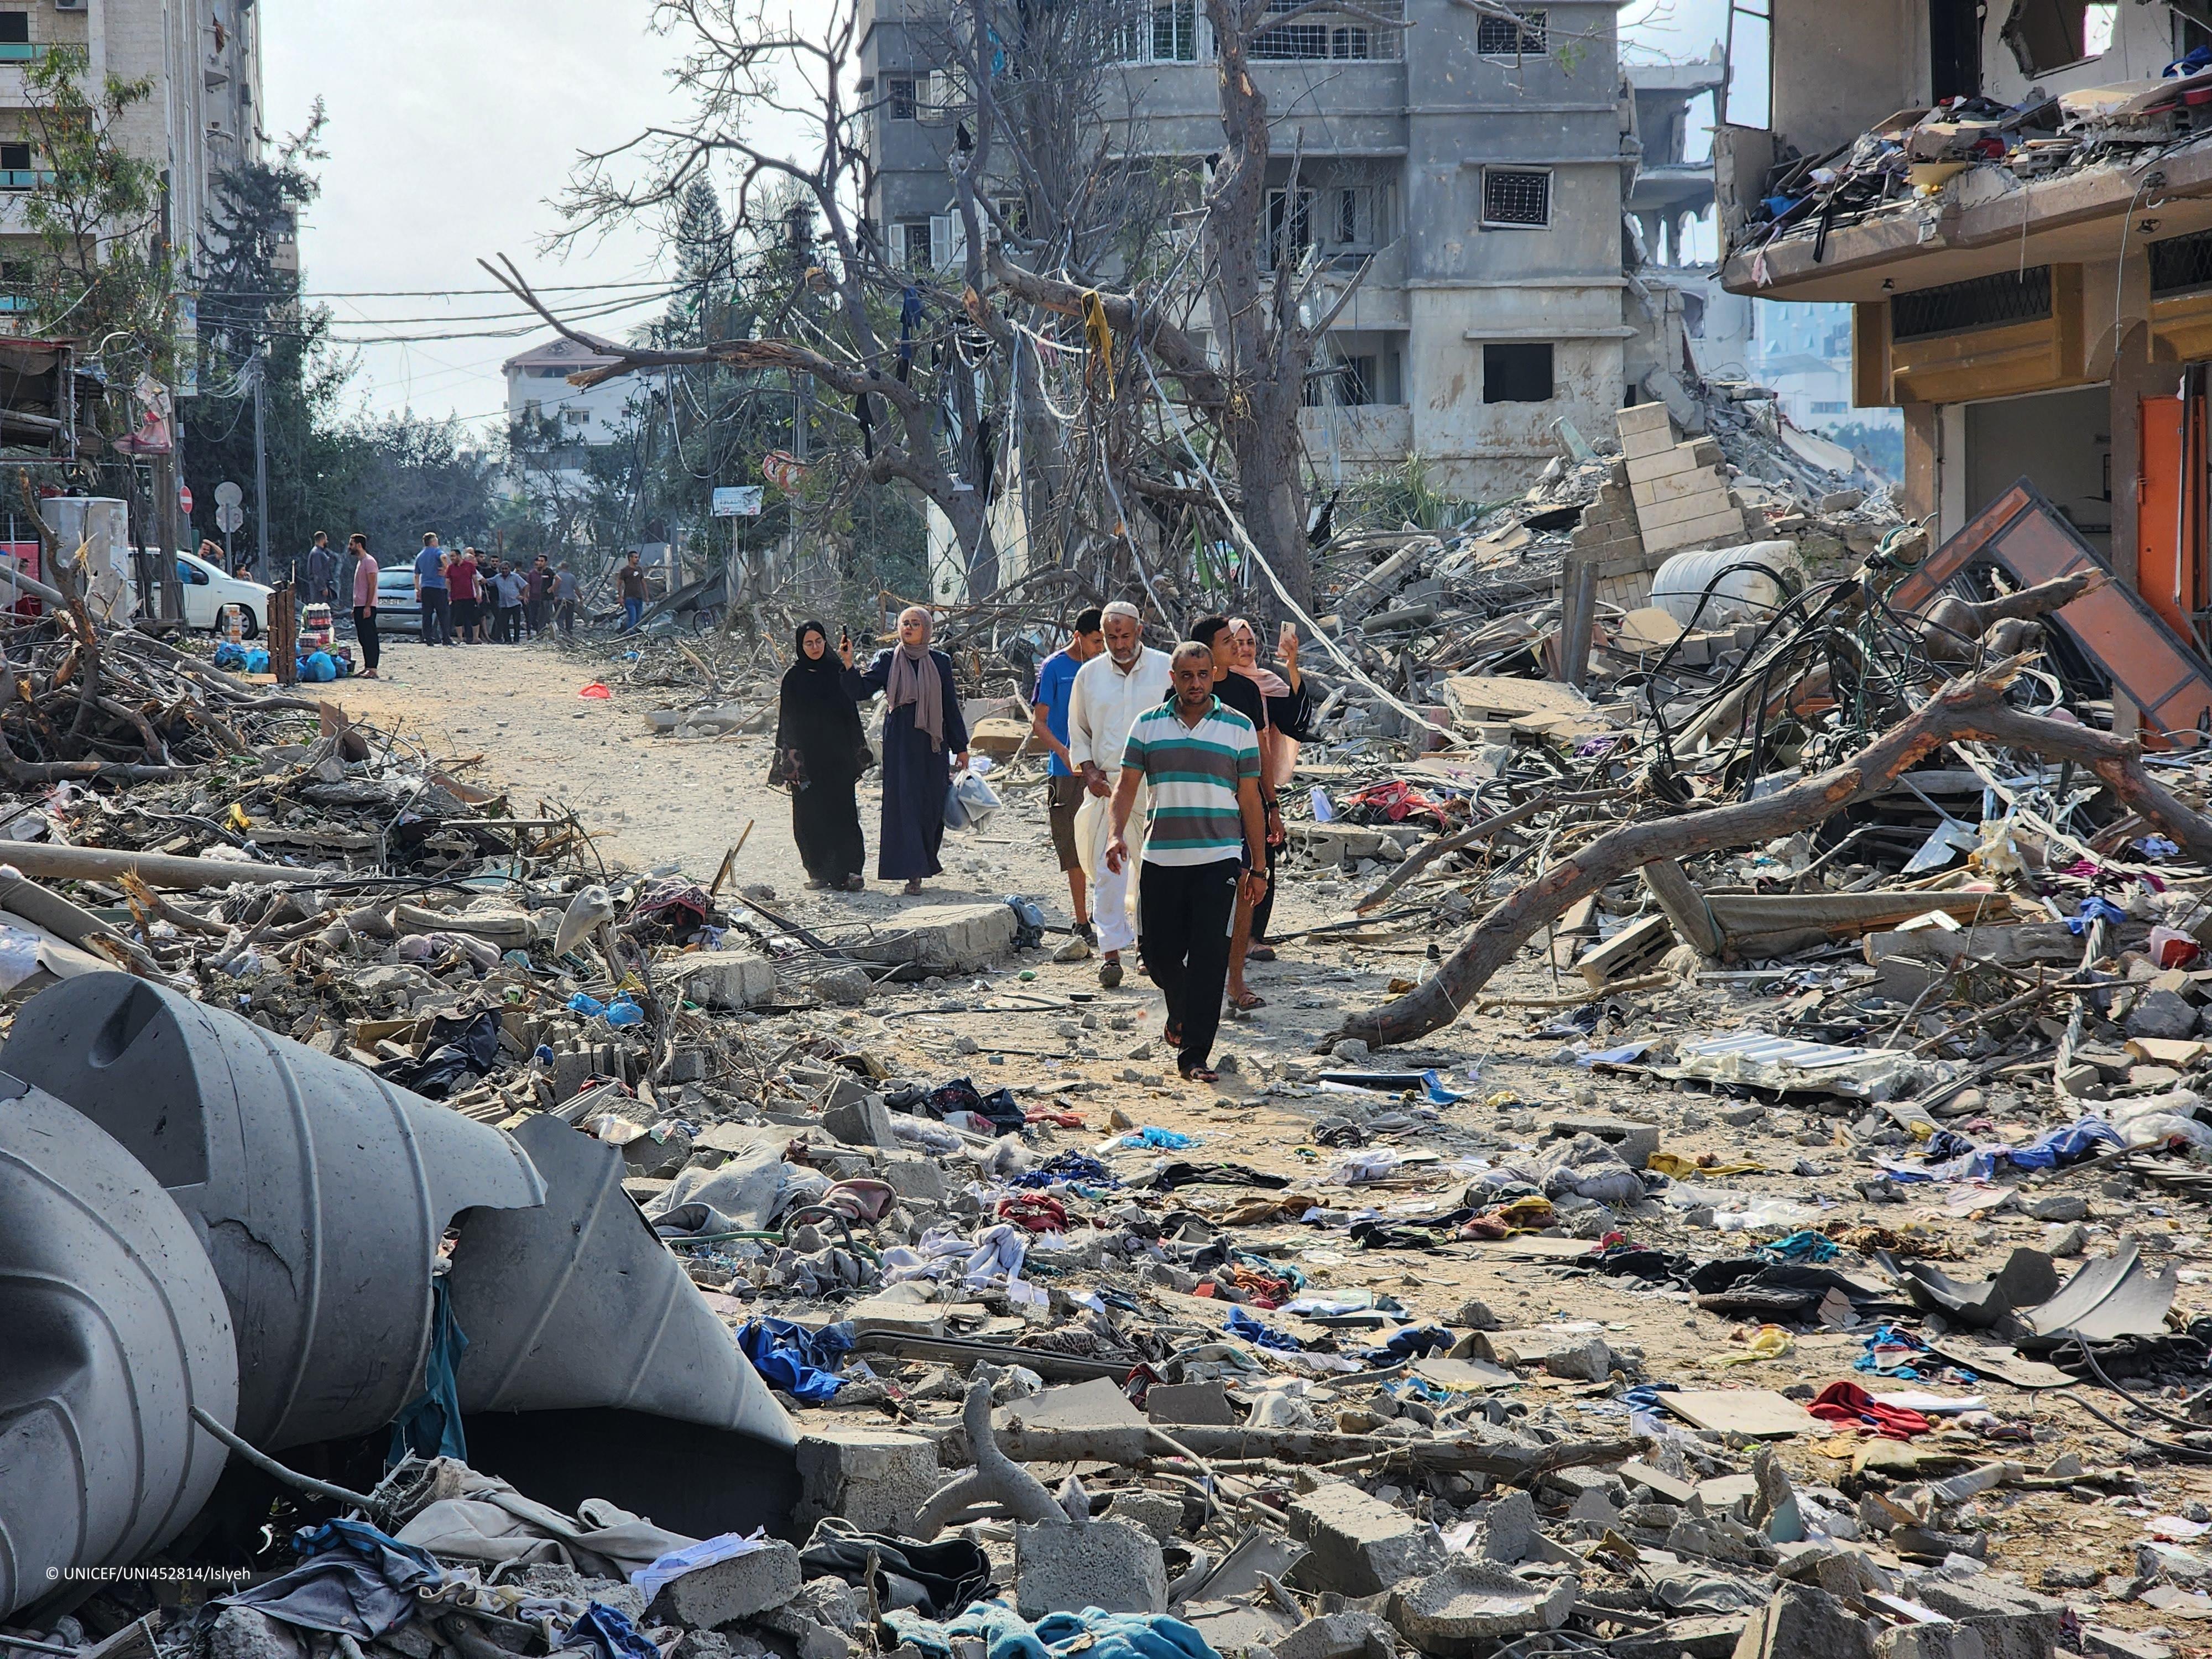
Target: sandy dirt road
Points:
(662, 801)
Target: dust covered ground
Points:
(513, 712)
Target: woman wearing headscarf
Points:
(820, 742)
(924, 742)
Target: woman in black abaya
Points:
(820, 743)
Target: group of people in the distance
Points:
(1162, 800)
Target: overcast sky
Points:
(451, 128)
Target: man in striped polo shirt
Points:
(1201, 760)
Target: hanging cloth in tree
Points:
(909, 320)
(1101, 339)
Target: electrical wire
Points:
(1251, 548)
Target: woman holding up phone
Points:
(925, 743)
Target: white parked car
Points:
(397, 610)
(209, 587)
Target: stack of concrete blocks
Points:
(1679, 489)
(1608, 537)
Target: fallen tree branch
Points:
(1501, 1460)
(1437, 846)
(1971, 707)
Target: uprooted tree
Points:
(1268, 297)
(1972, 708)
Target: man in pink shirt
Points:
(364, 604)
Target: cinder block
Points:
(729, 1590)
(878, 1479)
(1636, 445)
(1642, 417)
(938, 937)
(1358, 1545)
(726, 979)
(1687, 509)
(1670, 464)
(912, 1175)
(1699, 485)
(863, 1122)
(2012, 1623)
(1113, 1565)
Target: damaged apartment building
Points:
(203, 66)
(1481, 159)
(2016, 198)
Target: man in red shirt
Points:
(468, 609)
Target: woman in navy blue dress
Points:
(925, 743)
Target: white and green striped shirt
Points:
(1194, 772)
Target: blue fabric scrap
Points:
(1093, 1634)
(607, 1633)
(802, 1362)
(2093, 910)
(1241, 1323)
(356, 1582)
(430, 1426)
(1413, 1342)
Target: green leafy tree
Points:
(253, 322)
(101, 270)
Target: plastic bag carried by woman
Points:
(969, 801)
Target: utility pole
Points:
(260, 465)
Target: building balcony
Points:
(1984, 221)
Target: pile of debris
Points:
(1755, 1220)
(1914, 161)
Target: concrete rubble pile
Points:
(1749, 1205)
(1921, 162)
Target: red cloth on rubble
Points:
(1854, 1408)
(1037, 1211)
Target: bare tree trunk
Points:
(1264, 351)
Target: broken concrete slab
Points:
(1802, 1622)
(1354, 1633)
(941, 939)
(1357, 1544)
(865, 1121)
(725, 980)
(1097, 1408)
(876, 1479)
(1204, 1403)
(1113, 1565)
(1471, 1604)
(1635, 1142)
(728, 1590)
(2012, 1623)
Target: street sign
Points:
(782, 469)
(738, 501)
(183, 498)
(229, 494)
(229, 517)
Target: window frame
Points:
(1501, 372)
(1278, 214)
(902, 98)
(1532, 36)
(1503, 168)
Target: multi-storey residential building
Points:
(204, 61)
(1480, 162)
